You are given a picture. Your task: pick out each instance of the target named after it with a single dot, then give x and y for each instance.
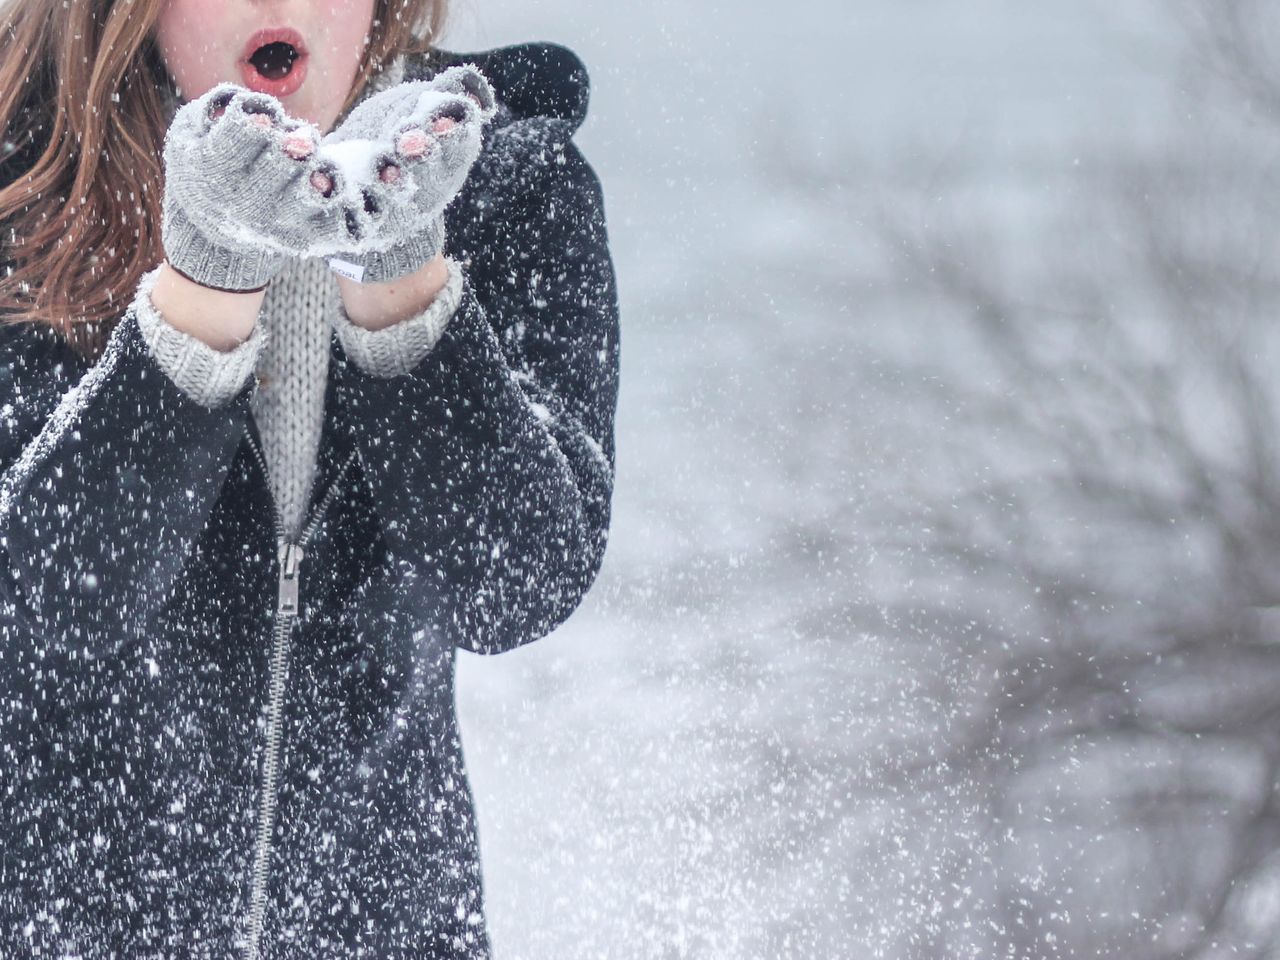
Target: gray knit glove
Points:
(237, 195)
(393, 170)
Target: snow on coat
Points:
(464, 504)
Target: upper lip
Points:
(274, 35)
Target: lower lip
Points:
(276, 88)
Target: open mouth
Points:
(274, 62)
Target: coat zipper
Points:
(290, 557)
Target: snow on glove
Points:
(237, 193)
(392, 167)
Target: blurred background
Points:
(938, 614)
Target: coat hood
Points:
(532, 80)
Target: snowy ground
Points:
(713, 758)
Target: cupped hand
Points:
(384, 176)
(237, 187)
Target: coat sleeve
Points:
(491, 461)
(110, 472)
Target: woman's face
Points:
(307, 58)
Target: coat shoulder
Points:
(531, 80)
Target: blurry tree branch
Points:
(1112, 507)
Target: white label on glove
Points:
(352, 271)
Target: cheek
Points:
(184, 33)
(347, 24)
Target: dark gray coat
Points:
(465, 504)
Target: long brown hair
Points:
(85, 101)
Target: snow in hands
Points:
(397, 160)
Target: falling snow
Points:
(937, 617)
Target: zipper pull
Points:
(290, 562)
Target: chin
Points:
(323, 119)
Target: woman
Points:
(250, 508)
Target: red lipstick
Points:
(274, 61)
